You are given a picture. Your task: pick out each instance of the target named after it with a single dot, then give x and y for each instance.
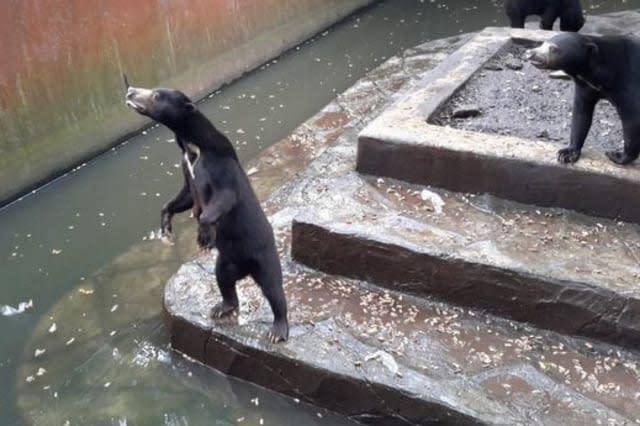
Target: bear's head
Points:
(569, 52)
(167, 106)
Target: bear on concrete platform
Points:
(605, 67)
(218, 191)
(569, 12)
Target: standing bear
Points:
(605, 67)
(569, 12)
(220, 195)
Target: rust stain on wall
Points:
(61, 63)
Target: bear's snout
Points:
(138, 98)
(544, 56)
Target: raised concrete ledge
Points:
(371, 253)
(322, 363)
(401, 143)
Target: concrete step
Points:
(390, 359)
(557, 269)
(406, 143)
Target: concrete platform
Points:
(403, 143)
(384, 357)
(556, 269)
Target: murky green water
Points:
(93, 349)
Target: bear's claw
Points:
(568, 155)
(223, 309)
(279, 332)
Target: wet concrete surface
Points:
(554, 268)
(526, 102)
(383, 357)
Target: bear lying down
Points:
(606, 67)
(218, 191)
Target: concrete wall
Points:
(61, 63)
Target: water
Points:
(82, 250)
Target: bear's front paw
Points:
(619, 157)
(166, 236)
(568, 155)
(223, 309)
(279, 332)
(206, 236)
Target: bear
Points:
(602, 67)
(569, 12)
(222, 200)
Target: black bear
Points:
(604, 67)
(218, 191)
(569, 12)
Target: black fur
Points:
(605, 67)
(569, 12)
(219, 192)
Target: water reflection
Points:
(100, 356)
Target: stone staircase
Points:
(445, 280)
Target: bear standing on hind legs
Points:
(569, 12)
(218, 191)
(606, 67)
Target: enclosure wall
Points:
(61, 61)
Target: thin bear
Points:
(218, 191)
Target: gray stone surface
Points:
(543, 267)
(384, 357)
(402, 143)
(528, 104)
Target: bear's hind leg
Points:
(631, 145)
(227, 274)
(547, 19)
(517, 21)
(268, 276)
(571, 22)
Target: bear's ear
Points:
(592, 48)
(191, 107)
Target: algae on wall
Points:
(61, 65)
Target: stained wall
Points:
(61, 61)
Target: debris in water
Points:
(8, 310)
